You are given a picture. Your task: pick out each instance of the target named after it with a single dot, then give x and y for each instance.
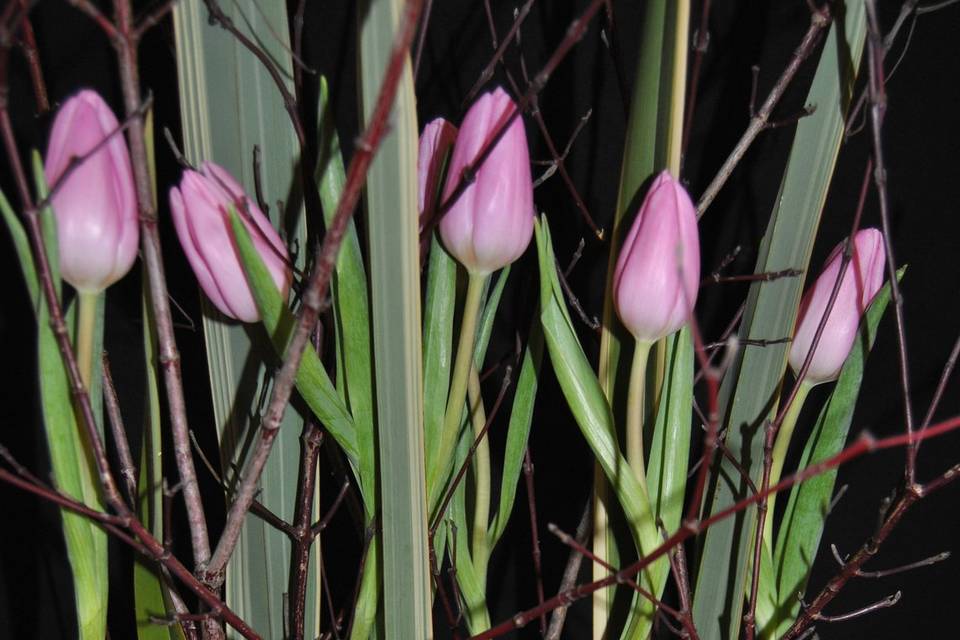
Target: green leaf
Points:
(149, 591)
(487, 316)
(471, 583)
(312, 381)
(350, 305)
(21, 244)
(670, 446)
(394, 253)
(592, 413)
(438, 350)
(799, 535)
(72, 469)
(750, 389)
(653, 142)
(518, 431)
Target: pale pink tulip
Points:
(491, 223)
(95, 205)
(860, 284)
(658, 270)
(200, 216)
(437, 138)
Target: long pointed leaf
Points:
(395, 305)
(749, 391)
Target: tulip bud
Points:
(491, 222)
(95, 205)
(860, 284)
(658, 271)
(437, 137)
(200, 209)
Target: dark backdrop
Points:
(921, 137)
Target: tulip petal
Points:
(860, 283)
(95, 204)
(657, 271)
(491, 224)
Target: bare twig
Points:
(303, 537)
(701, 42)
(926, 562)
(878, 109)
(767, 276)
(558, 160)
(573, 543)
(28, 44)
(570, 572)
(421, 40)
(487, 72)
(819, 20)
(534, 535)
(128, 470)
(883, 603)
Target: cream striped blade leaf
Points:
(228, 104)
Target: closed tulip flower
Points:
(491, 223)
(95, 205)
(200, 215)
(658, 270)
(437, 138)
(861, 281)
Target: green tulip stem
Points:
(780, 447)
(481, 474)
(437, 475)
(86, 330)
(636, 411)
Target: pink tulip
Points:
(658, 271)
(200, 216)
(491, 223)
(860, 284)
(95, 205)
(437, 138)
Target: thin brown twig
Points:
(128, 470)
(303, 537)
(572, 542)
(925, 562)
(89, 8)
(28, 44)
(558, 162)
(153, 17)
(948, 368)
(534, 534)
(487, 72)
(878, 109)
(611, 40)
(819, 20)
(883, 603)
(422, 38)
(126, 42)
(574, 560)
(767, 276)
(701, 42)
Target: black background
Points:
(921, 137)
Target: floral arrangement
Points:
(352, 305)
